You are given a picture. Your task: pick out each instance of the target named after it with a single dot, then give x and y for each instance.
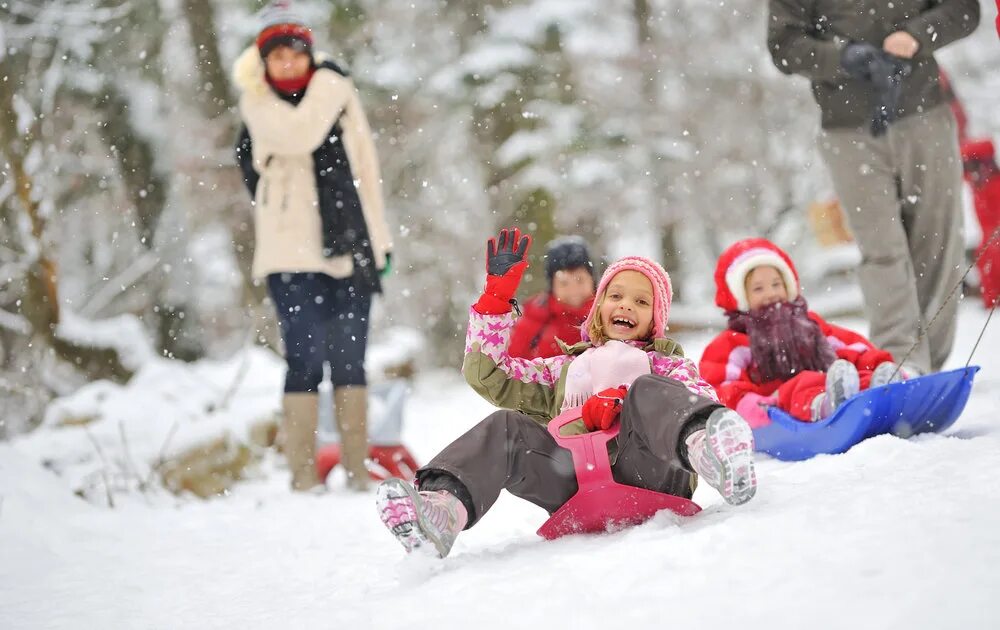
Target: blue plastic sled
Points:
(920, 405)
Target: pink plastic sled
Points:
(600, 503)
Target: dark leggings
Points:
(321, 319)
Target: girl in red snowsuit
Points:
(777, 352)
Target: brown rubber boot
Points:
(351, 408)
(299, 439)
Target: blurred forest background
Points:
(650, 126)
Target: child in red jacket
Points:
(558, 312)
(777, 352)
(983, 175)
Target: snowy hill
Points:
(893, 534)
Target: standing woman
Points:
(322, 242)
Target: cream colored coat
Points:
(287, 218)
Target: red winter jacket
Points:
(726, 361)
(544, 320)
(986, 197)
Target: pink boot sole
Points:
(399, 508)
(729, 442)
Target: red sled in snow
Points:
(387, 457)
(383, 462)
(919, 405)
(601, 504)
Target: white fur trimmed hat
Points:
(736, 263)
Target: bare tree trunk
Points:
(40, 304)
(214, 96)
(649, 68)
(146, 189)
(536, 211)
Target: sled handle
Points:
(589, 450)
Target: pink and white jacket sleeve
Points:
(685, 371)
(490, 335)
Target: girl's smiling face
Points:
(627, 307)
(765, 286)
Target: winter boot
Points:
(885, 373)
(351, 408)
(722, 455)
(299, 439)
(419, 520)
(842, 383)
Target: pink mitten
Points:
(753, 409)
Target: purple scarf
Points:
(783, 340)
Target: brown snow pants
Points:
(508, 450)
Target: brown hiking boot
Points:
(351, 408)
(299, 439)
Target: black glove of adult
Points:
(865, 62)
(856, 59)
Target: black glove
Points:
(856, 59)
(885, 72)
(507, 250)
(887, 75)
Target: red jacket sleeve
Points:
(526, 329)
(724, 365)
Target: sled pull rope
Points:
(982, 332)
(924, 329)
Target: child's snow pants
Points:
(508, 450)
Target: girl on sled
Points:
(778, 352)
(672, 425)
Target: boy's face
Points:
(627, 308)
(765, 286)
(285, 63)
(573, 287)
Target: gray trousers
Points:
(508, 450)
(902, 196)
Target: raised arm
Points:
(512, 383)
(526, 385)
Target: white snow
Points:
(124, 333)
(893, 534)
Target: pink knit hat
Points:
(662, 291)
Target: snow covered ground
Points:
(893, 534)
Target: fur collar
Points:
(248, 71)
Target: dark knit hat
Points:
(567, 252)
(281, 25)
